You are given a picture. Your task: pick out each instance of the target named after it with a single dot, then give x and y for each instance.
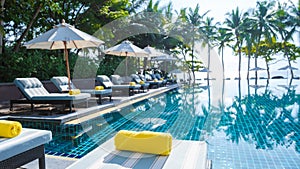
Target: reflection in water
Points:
(265, 119)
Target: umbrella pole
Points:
(126, 71)
(67, 64)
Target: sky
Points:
(218, 10)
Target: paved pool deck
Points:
(83, 111)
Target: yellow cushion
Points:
(155, 80)
(74, 91)
(142, 82)
(99, 88)
(144, 142)
(132, 83)
(161, 78)
(10, 129)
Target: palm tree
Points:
(286, 27)
(224, 40)
(235, 24)
(210, 30)
(190, 22)
(263, 22)
(248, 49)
(195, 19)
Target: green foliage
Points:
(109, 65)
(83, 67)
(266, 20)
(197, 64)
(42, 64)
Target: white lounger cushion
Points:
(33, 89)
(28, 139)
(185, 154)
(61, 82)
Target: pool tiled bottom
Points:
(226, 155)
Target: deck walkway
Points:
(83, 112)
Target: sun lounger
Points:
(61, 83)
(184, 154)
(138, 80)
(35, 93)
(103, 80)
(154, 83)
(158, 77)
(24, 148)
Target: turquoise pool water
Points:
(251, 126)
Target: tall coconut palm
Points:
(195, 19)
(224, 39)
(210, 30)
(286, 27)
(191, 20)
(235, 24)
(248, 49)
(264, 22)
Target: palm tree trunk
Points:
(193, 45)
(268, 69)
(256, 53)
(248, 69)
(255, 66)
(208, 65)
(291, 70)
(240, 61)
(222, 53)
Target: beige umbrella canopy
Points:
(126, 48)
(153, 52)
(64, 36)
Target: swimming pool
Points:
(253, 126)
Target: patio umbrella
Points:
(288, 67)
(204, 70)
(164, 58)
(126, 48)
(257, 68)
(153, 52)
(63, 36)
(257, 86)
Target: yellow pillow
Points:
(142, 82)
(144, 142)
(99, 88)
(74, 91)
(10, 129)
(155, 80)
(161, 78)
(131, 83)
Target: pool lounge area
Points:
(254, 125)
